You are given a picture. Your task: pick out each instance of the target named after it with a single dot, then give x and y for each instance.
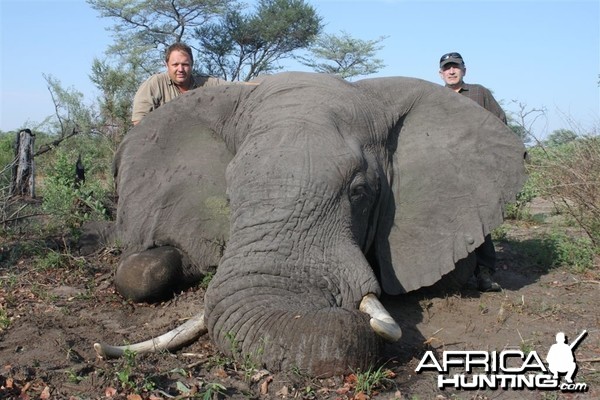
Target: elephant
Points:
(311, 197)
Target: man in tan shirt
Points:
(164, 87)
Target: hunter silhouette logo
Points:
(507, 369)
(561, 358)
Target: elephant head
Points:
(326, 193)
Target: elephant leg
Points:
(456, 279)
(150, 275)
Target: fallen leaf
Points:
(283, 392)
(259, 375)
(343, 390)
(361, 396)
(45, 393)
(264, 387)
(134, 397)
(110, 392)
(220, 373)
(26, 387)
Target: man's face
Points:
(452, 74)
(179, 68)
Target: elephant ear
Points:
(170, 177)
(454, 167)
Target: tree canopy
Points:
(241, 46)
(230, 42)
(344, 55)
(145, 28)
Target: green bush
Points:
(518, 209)
(67, 204)
(7, 155)
(576, 253)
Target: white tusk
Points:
(381, 321)
(185, 333)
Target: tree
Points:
(117, 86)
(145, 28)
(521, 122)
(72, 114)
(561, 136)
(344, 55)
(242, 46)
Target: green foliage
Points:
(371, 380)
(557, 249)
(54, 260)
(518, 209)
(73, 376)
(206, 280)
(117, 86)
(500, 233)
(249, 362)
(344, 55)
(7, 156)
(560, 137)
(125, 374)
(4, 319)
(143, 29)
(241, 46)
(72, 114)
(7, 152)
(51, 260)
(576, 253)
(127, 377)
(67, 204)
(211, 390)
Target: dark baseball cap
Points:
(452, 58)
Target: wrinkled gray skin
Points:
(323, 190)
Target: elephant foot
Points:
(150, 275)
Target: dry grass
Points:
(569, 175)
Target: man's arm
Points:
(144, 101)
(492, 106)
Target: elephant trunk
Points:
(259, 317)
(337, 351)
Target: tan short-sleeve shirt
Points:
(159, 89)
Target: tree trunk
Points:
(23, 173)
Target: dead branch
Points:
(49, 146)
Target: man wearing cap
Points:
(452, 72)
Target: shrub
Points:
(576, 253)
(67, 204)
(569, 175)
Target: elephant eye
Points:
(358, 189)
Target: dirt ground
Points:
(50, 317)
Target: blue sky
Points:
(543, 54)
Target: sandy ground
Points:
(50, 317)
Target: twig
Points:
(21, 217)
(47, 147)
(578, 282)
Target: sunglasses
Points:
(450, 55)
